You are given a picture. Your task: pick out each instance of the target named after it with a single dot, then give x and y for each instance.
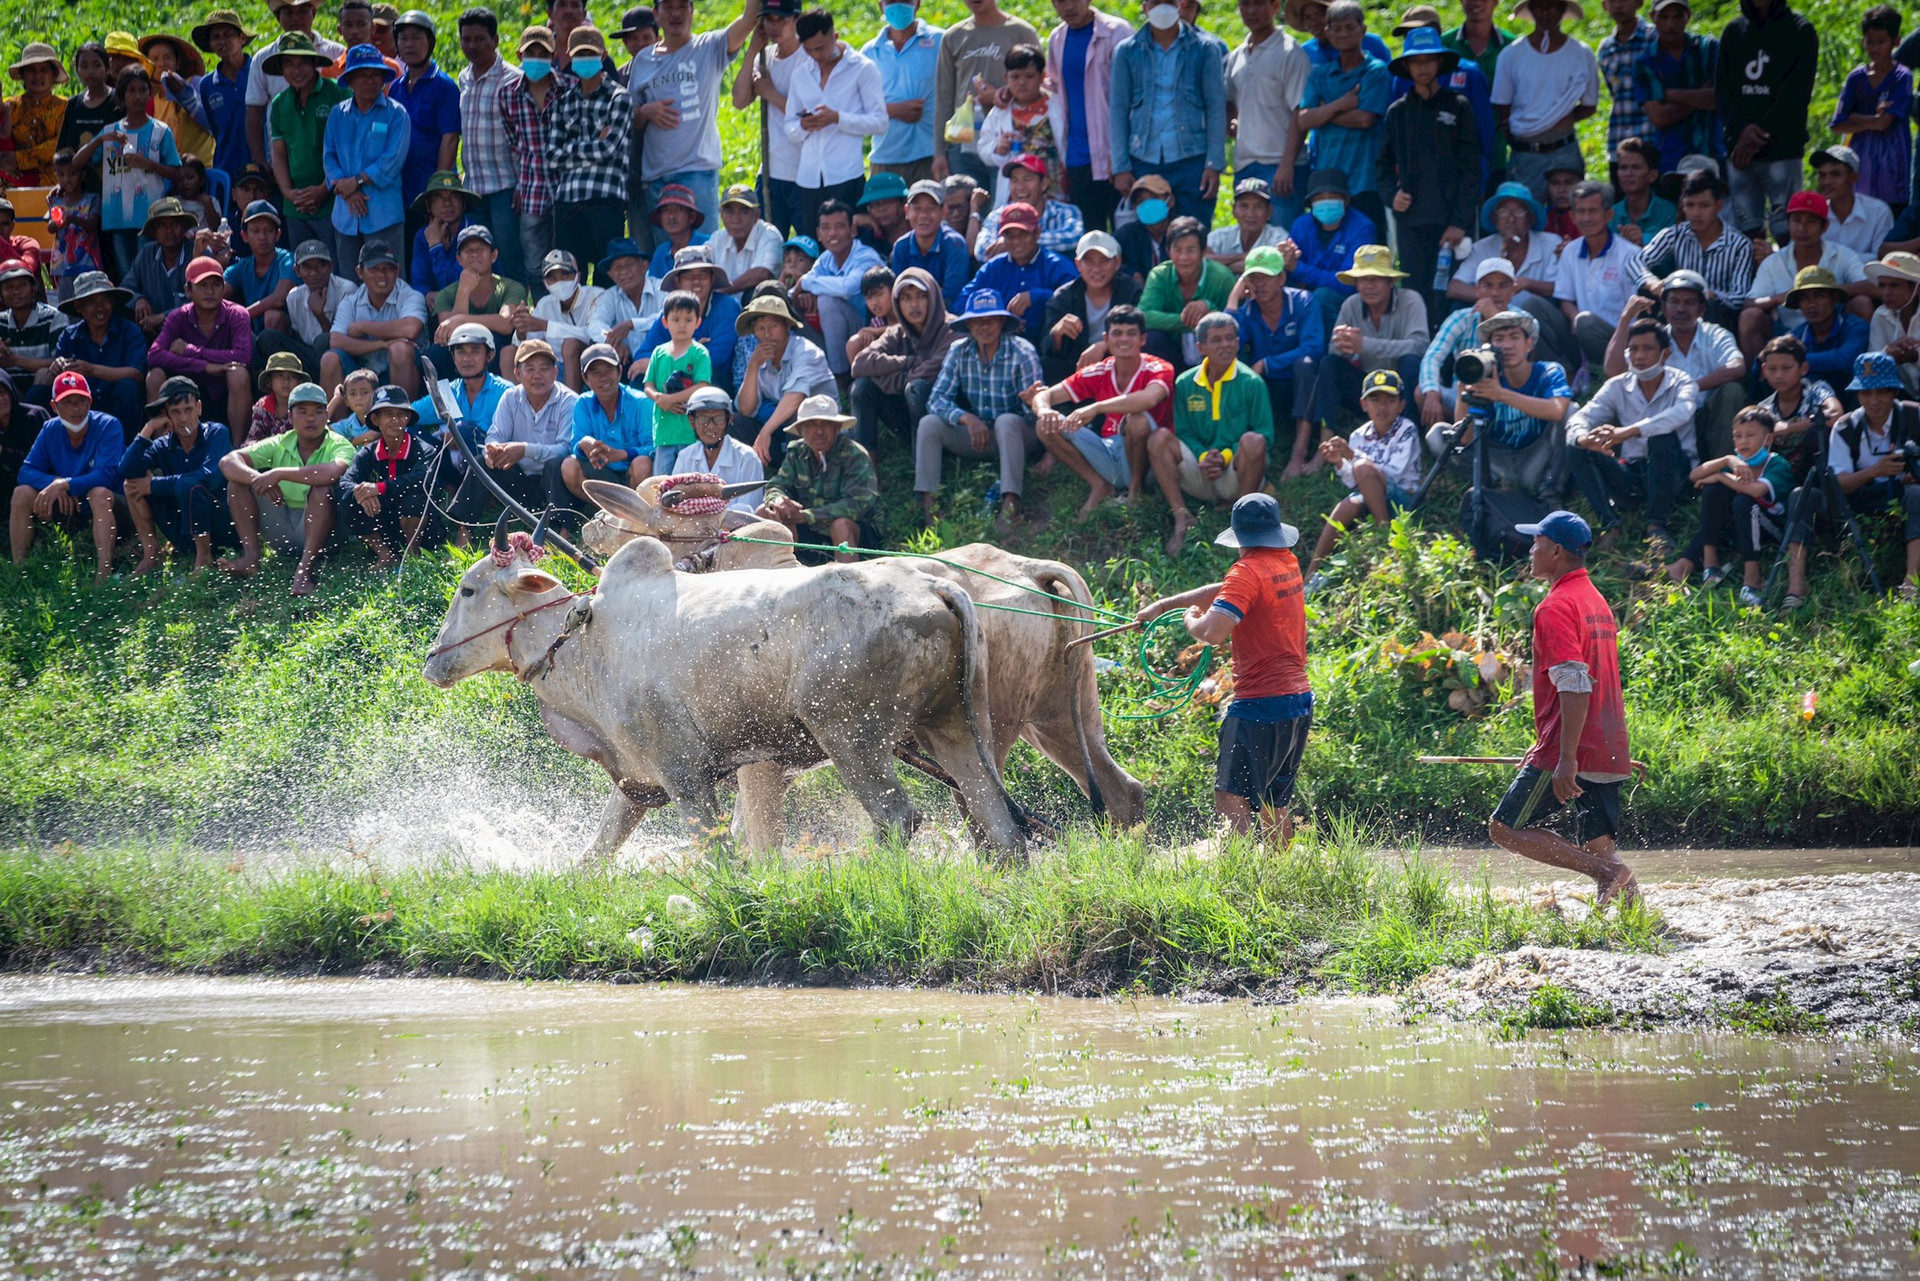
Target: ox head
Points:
(628, 513)
(494, 593)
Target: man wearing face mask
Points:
(587, 151)
(1635, 438)
(907, 51)
(1327, 236)
(1169, 110)
(1704, 351)
(526, 105)
(1143, 242)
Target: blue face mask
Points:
(1757, 460)
(1153, 211)
(1329, 212)
(537, 68)
(585, 68)
(899, 16)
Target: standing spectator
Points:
(1266, 79)
(104, 346)
(1383, 326)
(675, 85)
(975, 409)
(36, 116)
(1466, 79)
(1253, 226)
(766, 74)
(170, 474)
(1025, 276)
(1641, 213)
(1026, 127)
(1429, 161)
(175, 65)
(893, 375)
(159, 275)
(906, 50)
(1674, 81)
(377, 326)
(209, 340)
(1122, 399)
(74, 460)
(833, 106)
(138, 158)
(586, 140)
(1345, 98)
(1630, 43)
(638, 30)
(526, 111)
(1060, 223)
(1326, 236)
(1701, 243)
(366, 144)
(1895, 328)
(1075, 322)
(92, 107)
(1874, 109)
(1169, 105)
(970, 70)
(932, 245)
(223, 89)
(297, 124)
(749, 249)
(1282, 340)
(354, 23)
(262, 86)
(694, 271)
(1596, 276)
(1080, 78)
(76, 240)
(486, 154)
(1222, 430)
(1769, 56)
(1854, 219)
(282, 490)
(1480, 42)
(1766, 313)
(1543, 86)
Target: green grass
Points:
(1096, 914)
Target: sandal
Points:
(1792, 603)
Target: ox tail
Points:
(1083, 695)
(973, 693)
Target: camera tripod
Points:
(1800, 518)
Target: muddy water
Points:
(189, 1128)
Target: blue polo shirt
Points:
(630, 428)
(250, 287)
(1046, 272)
(432, 103)
(125, 347)
(906, 74)
(374, 142)
(950, 261)
(225, 102)
(1352, 151)
(1299, 333)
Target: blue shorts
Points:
(1107, 455)
(1397, 498)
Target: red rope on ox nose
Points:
(519, 543)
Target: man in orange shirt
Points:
(1262, 607)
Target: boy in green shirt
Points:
(675, 369)
(1222, 428)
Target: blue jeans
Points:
(705, 186)
(1760, 194)
(496, 212)
(1285, 208)
(1184, 177)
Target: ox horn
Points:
(500, 533)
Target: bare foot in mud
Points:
(1622, 886)
(1096, 494)
(1182, 522)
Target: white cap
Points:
(1096, 242)
(1495, 267)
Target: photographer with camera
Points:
(1519, 402)
(1459, 331)
(1873, 454)
(1635, 438)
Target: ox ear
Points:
(620, 500)
(531, 582)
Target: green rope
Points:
(1179, 688)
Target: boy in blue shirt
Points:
(261, 281)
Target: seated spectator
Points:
(797, 260)
(1024, 277)
(476, 392)
(262, 279)
(1864, 452)
(387, 482)
(1711, 250)
(17, 247)
(1674, 84)
(1635, 438)
(976, 408)
(748, 249)
(1596, 275)
(677, 219)
(29, 327)
(1854, 219)
(1143, 242)
(443, 210)
(1379, 463)
(834, 280)
(893, 375)
(564, 314)
(1745, 492)
(1121, 399)
(312, 306)
(882, 216)
(20, 425)
(74, 460)
(529, 440)
(1180, 291)
(1251, 229)
(1520, 238)
(378, 325)
(1061, 225)
(282, 490)
(104, 346)
(159, 275)
(715, 452)
(694, 272)
(1076, 313)
(876, 293)
(1562, 178)
(1766, 313)
(1458, 332)
(930, 244)
(1383, 326)
(1327, 235)
(782, 369)
(476, 296)
(1793, 398)
(253, 182)
(1895, 328)
(962, 202)
(825, 490)
(612, 427)
(1027, 124)
(1431, 156)
(1706, 352)
(1642, 213)
(673, 369)
(1345, 98)
(350, 411)
(209, 340)
(171, 476)
(1527, 402)
(272, 414)
(630, 304)
(1833, 336)
(1222, 429)
(1281, 340)
(1544, 85)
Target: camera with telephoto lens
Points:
(1469, 367)
(1910, 450)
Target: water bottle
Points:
(988, 503)
(1443, 268)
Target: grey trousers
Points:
(1014, 439)
(840, 319)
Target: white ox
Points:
(676, 681)
(1038, 688)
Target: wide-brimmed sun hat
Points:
(819, 409)
(1370, 261)
(92, 284)
(1255, 522)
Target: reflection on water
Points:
(194, 1128)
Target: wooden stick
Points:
(1639, 767)
(1091, 637)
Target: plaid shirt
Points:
(587, 139)
(486, 153)
(525, 127)
(1628, 117)
(987, 390)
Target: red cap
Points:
(1020, 214)
(200, 268)
(1030, 162)
(1811, 202)
(70, 384)
(13, 267)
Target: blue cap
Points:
(1423, 42)
(1875, 371)
(363, 57)
(1256, 523)
(1562, 527)
(261, 209)
(805, 244)
(1513, 191)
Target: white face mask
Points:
(1164, 16)
(564, 290)
(1644, 371)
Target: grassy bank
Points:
(1094, 915)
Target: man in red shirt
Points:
(1579, 751)
(1262, 607)
(1128, 394)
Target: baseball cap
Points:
(473, 231)
(1030, 162)
(312, 251)
(1562, 527)
(534, 347)
(307, 394)
(1494, 267)
(176, 389)
(1020, 214)
(377, 253)
(1382, 380)
(741, 193)
(200, 268)
(70, 384)
(1096, 242)
(927, 187)
(261, 209)
(559, 260)
(1265, 260)
(598, 353)
(1809, 202)
(1836, 156)
(1254, 187)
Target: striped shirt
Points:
(1726, 264)
(587, 138)
(1628, 116)
(525, 125)
(486, 152)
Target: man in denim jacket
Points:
(1169, 106)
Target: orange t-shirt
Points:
(1264, 591)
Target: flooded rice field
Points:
(187, 1128)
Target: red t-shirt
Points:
(1575, 625)
(1096, 382)
(1263, 591)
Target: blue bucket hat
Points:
(1875, 371)
(1256, 523)
(1562, 527)
(363, 57)
(1513, 191)
(624, 247)
(1423, 42)
(983, 305)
